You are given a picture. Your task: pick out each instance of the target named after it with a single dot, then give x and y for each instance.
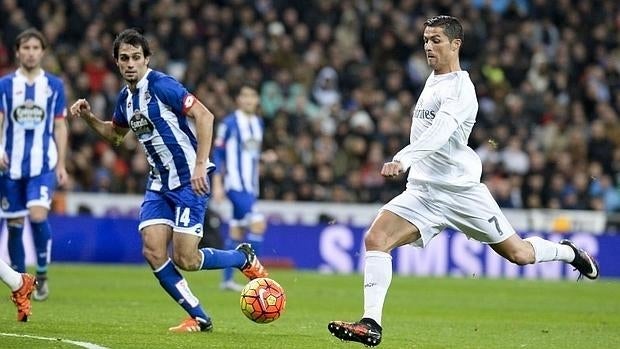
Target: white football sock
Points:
(377, 279)
(10, 277)
(545, 250)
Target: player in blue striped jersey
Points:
(32, 155)
(237, 155)
(175, 130)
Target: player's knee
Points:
(520, 257)
(375, 240)
(38, 215)
(153, 256)
(15, 222)
(258, 227)
(185, 261)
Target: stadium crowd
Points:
(338, 79)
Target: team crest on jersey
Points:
(29, 115)
(141, 125)
(5, 203)
(252, 145)
(147, 96)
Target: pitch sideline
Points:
(78, 343)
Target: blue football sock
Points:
(41, 234)
(228, 272)
(16, 247)
(176, 286)
(256, 240)
(220, 259)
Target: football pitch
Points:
(119, 306)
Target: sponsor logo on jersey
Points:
(252, 145)
(29, 115)
(424, 114)
(141, 125)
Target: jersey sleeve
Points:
(119, 118)
(219, 147)
(173, 94)
(60, 107)
(3, 105)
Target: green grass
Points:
(124, 307)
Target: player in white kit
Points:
(443, 187)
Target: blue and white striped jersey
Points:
(28, 129)
(237, 151)
(155, 112)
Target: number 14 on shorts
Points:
(182, 216)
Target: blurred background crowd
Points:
(338, 78)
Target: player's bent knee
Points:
(186, 262)
(258, 227)
(154, 257)
(15, 222)
(376, 240)
(520, 257)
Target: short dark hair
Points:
(134, 38)
(451, 26)
(29, 34)
(245, 83)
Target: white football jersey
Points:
(442, 120)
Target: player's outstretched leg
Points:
(21, 297)
(583, 262)
(252, 268)
(366, 331)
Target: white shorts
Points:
(432, 208)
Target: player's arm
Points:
(4, 159)
(204, 133)
(219, 159)
(60, 137)
(453, 107)
(106, 129)
(431, 140)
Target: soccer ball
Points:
(262, 300)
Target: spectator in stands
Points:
(527, 45)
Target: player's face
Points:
(248, 100)
(131, 63)
(441, 54)
(30, 54)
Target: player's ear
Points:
(146, 60)
(456, 44)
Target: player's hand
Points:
(61, 175)
(4, 162)
(81, 108)
(269, 156)
(200, 182)
(391, 169)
